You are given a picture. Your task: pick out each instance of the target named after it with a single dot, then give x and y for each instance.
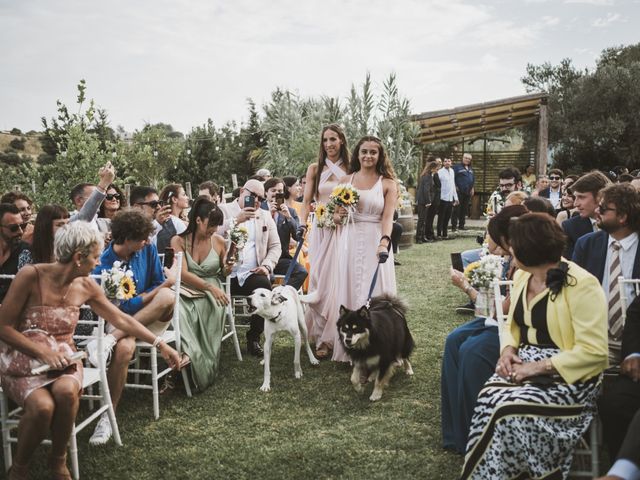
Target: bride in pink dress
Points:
(367, 232)
(322, 177)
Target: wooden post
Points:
(33, 186)
(127, 193)
(187, 187)
(234, 180)
(543, 139)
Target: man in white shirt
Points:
(448, 197)
(554, 191)
(260, 254)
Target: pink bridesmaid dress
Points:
(321, 317)
(357, 247)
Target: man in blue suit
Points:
(287, 223)
(585, 191)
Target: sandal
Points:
(323, 351)
(58, 466)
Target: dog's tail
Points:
(385, 300)
(310, 297)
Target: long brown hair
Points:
(383, 167)
(344, 153)
(430, 166)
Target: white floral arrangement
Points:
(117, 282)
(484, 272)
(324, 215)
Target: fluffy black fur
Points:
(388, 337)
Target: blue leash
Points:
(293, 262)
(383, 258)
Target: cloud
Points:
(550, 21)
(600, 3)
(608, 20)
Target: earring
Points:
(78, 264)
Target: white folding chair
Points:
(501, 316)
(146, 350)
(230, 330)
(10, 418)
(625, 298)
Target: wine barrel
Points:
(405, 218)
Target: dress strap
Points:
(38, 283)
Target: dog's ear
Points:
(277, 299)
(363, 312)
(343, 310)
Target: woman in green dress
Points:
(202, 298)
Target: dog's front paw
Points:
(265, 387)
(358, 387)
(314, 361)
(375, 395)
(297, 374)
(262, 362)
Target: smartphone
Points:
(279, 199)
(249, 201)
(168, 257)
(456, 262)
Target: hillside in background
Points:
(16, 146)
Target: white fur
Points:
(285, 302)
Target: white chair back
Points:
(625, 285)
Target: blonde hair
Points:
(516, 198)
(75, 237)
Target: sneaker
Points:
(102, 433)
(108, 342)
(467, 309)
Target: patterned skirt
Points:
(528, 430)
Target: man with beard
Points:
(554, 191)
(509, 180)
(11, 244)
(607, 254)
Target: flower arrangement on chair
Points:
(238, 235)
(481, 275)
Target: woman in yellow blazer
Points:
(532, 412)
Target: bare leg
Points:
(159, 309)
(117, 374)
(67, 399)
(34, 424)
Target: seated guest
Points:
(554, 191)
(152, 304)
(87, 198)
(146, 199)
(613, 251)
(619, 405)
(509, 181)
(25, 205)
(202, 311)
(540, 205)
(287, 222)
(516, 198)
(11, 244)
(472, 350)
(210, 190)
(567, 209)
(174, 196)
(49, 220)
(292, 190)
(531, 413)
(261, 252)
(585, 191)
(113, 202)
(42, 306)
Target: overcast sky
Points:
(181, 62)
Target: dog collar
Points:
(274, 318)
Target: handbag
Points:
(15, 363)
(188, 292)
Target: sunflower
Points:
(127, 287)
(320, 210)
(337, 191)
(470, 268)
(346, 197)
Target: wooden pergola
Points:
(480, 119)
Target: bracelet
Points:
(157, 341)
(387, 237)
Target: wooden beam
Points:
(543, 140)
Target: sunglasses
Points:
(152, 203)
(14, 227)
(112, 196)
(553, 177)
(260, 199)
(603, 208)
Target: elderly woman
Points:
(533, 411)
(37, 320)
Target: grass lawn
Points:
(317, 427)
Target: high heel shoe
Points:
(19, 472)
(58, 467)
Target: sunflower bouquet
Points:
(117, 282)
(481, 274)
(343, 195)
(323, 219)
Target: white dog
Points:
(282, 310)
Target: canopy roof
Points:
(480, 118)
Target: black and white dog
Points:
(282, 310)
(377, 339)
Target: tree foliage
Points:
(593, 121)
